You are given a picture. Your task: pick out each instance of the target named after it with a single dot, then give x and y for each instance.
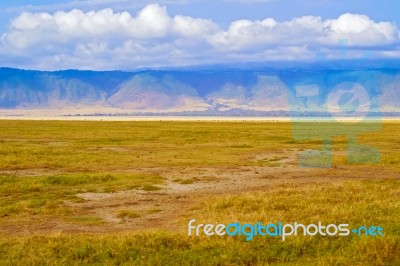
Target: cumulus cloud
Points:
(152, 22)
(106, 39)
(361, 30)
(358, 30)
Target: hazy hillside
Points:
(221, 91)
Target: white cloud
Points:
(361, 30)
(195, 28)
(358, 30)
(31, 28)
(151, 22)
(106, 39)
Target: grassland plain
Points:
(111, 193)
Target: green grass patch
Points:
(86, 220)
(186, 182)
(47, 195)
(150, 188)
(74, 180)
(152, 211)
(127, 214)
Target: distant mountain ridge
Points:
(273, 91)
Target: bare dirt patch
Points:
(184, 188)
(174, 198)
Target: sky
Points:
(128, 35)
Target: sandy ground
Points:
(189, 118)
(144, 118)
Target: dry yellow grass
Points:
(45, 164)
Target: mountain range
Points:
(277, 90)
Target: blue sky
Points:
(223, 11)
(135, 34)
